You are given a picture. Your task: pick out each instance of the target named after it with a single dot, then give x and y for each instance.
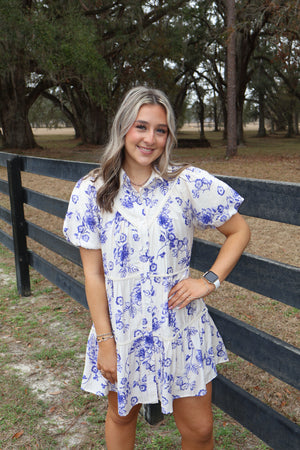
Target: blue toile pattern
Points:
(146, 244)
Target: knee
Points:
(200, 431)
(122, 420)
(112, 414)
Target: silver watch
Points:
(212, 278)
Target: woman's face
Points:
(146, 139)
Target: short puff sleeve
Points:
(212, 201)
(82, 224)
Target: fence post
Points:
(18, 225)
(152, 413)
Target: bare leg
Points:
(194, 419)
(120, 430)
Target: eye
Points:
(140, 127)
(161, 131)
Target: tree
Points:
(42, 44)
(276, 70)
(45, 113)
(93, 50)
(13, 99)
(231, 81)
(134, 39)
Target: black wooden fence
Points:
(264, 199)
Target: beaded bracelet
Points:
(104, 334)
(104, 337)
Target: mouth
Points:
(145, 150)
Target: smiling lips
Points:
(145, 149)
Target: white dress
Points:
(146, 244)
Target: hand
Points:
(107, 360)
(188, 290)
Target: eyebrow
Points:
(147, 123)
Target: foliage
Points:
(43, 113)
(96, 50)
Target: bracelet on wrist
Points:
(104, 337)
(208, 286)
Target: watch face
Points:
(211, 277)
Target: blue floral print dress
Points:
(146, 244)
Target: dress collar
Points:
(125, 180)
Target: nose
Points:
(149, 137)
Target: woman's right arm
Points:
(98, 306)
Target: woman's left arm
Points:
(237, 235)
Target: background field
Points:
(43, 336)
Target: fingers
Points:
(180, 301)
(181, 295)
(107, 360)
(109, 375)
(186, 291)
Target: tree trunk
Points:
(17, 132)
(225, 120)
(296, 117)
(240, 120)
(91, 119)
(231, 82)
(201, 119)
(203, 142)
(215, 113)
(65, 110)
(261, 128)
(179, 100)
(272, 126)
(290, 132)
(94, 126)
(290, 119)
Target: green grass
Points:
(161, 436)
(66, 147)
(54, 355)
(5, 253)
(4, 268)
(292, 312)
(9, 292)
(271, 146)
(20, 413)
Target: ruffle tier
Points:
(152, 369)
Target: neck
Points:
(138, 176)
(135, 183)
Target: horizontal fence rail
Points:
(271, 354)
(263, 199)
(255, 415)
(271, 200)
(7, 240)
(254, 273)
(65, 282)
(54, 243)
(46, 203)
(5, 215)
(4, 187)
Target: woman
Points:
(133, 219)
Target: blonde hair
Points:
(113, 156)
